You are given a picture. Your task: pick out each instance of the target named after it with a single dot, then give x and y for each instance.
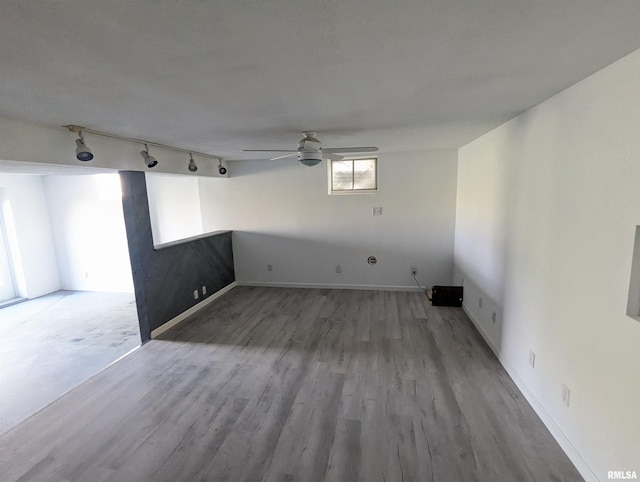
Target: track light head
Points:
(192, 164)
(221, 169)
(149, 160)
(83, 153)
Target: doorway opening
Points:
(67, 262)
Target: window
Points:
(354, 176)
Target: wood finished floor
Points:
(296, 385)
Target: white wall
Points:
(281, 214)
(24, 208)
(89, 232)
(547, 209)
(174, 207)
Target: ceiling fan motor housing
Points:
(310, 142)
(309, 150)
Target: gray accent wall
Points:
(165, 277)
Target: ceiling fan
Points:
(310, 151)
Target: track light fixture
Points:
(192, 164)
(83, 153)
(149, 160)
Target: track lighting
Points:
(83, 153)
(149, 160)
(192, 164)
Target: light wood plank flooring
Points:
(296, 385)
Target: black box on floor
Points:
(446, 295)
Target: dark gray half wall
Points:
(165, 278)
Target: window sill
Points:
(355, 191)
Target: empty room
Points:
(363, 240)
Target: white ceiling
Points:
(221, 75)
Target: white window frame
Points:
(341, 192)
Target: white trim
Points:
(557, 433)
(120, 358)
(328, 286)
(348, 192)
(186, 314)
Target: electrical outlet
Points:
(414, 271)
(566, 394)
(196, 294)
(269, 267)
(480, 301)
(204, 289)
(377, 211)
(338, 269)
(532, 359)
(493, 316)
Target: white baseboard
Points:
(328, 286)
(186, 314)
(573, 454)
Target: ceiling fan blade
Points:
(350, 149)
(286, 155)
(332, 156)
(269, 150)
